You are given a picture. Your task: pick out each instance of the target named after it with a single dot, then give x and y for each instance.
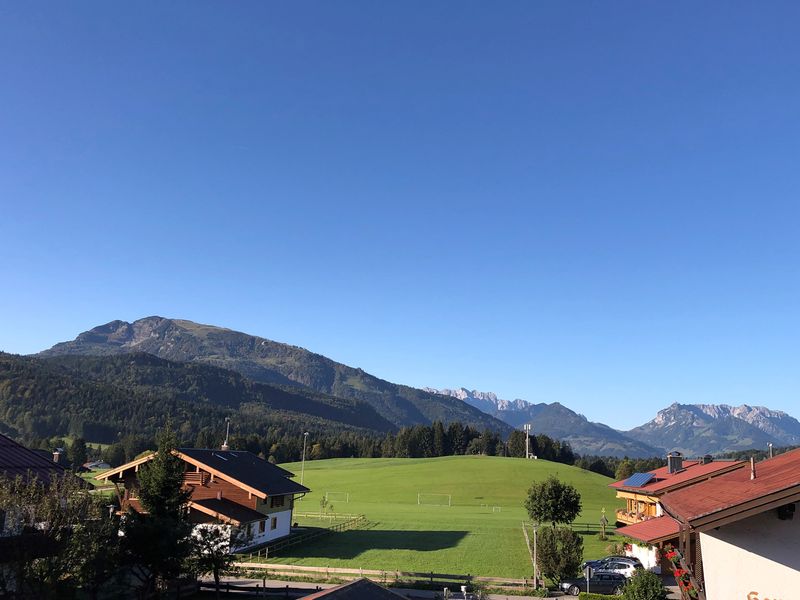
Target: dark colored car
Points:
(600, 583)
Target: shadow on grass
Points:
(350, 544)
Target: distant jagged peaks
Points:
(718, 428)
(556, 421)
(474, 396)
(695, 429)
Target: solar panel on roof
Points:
(638, 479)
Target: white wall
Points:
(648, 557)
(283, 528)
(754, 559)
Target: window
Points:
(273, 523)
(276, 501)
(262, 526)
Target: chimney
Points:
(706, 459)
(752, 467)
(56, 455)
(674, 462)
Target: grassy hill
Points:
(467, 537)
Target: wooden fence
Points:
(381, 576)
(258, 590)
(267, 552)
(325, 516)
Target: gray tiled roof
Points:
(248, 469)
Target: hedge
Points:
(590, 596)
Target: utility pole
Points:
(527, 428)
(535, 563)
(227, 433)
(303, 463)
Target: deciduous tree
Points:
(552, 501)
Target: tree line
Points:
(282, 445)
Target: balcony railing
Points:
(630, 517)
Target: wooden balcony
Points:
(193, 478)
(629, 518)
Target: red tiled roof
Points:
(692, 469)
(735, 488)
(652, 530)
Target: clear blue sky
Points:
(592, 203)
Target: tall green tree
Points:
(157, 542)
(624, 469)
(552, 501)
(516, 443)
(78, 453)
(559, 552)
(439, 440)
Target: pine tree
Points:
(158, 541)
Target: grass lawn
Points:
(463, 538)
(103, 487)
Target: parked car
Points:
(598, 564)
(620, 566)
(599, 583)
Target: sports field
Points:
(470, 536)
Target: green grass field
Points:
(463, 538)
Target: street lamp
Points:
(303, 463)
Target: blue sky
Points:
(590, 203)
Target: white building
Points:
(748, 536)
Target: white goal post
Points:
(338, 497)
(497, 509)
(424, 499)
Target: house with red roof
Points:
(643, 518)
(234, 488)
(746, 531)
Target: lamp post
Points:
(303, 462)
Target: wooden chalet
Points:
(644, 520)
(232, 487)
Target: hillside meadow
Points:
(470, 536)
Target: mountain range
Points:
(270, 362)
(689, 428)
(193, 367)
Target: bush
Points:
(541, 593)
(592, 596)
(644, 585)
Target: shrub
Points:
(592, 596)
(541, 593)
(644, 585)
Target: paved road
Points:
(408, 593)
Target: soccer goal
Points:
(338, 497)
(434, 499)
(497, 509)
